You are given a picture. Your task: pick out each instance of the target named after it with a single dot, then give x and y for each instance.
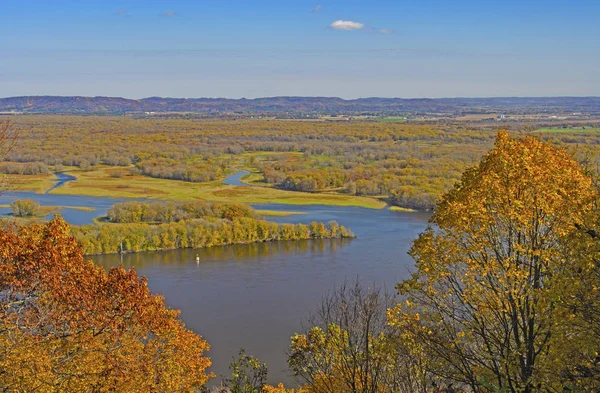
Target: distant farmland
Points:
(568, 130)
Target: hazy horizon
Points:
(318, 48)
(296, 96)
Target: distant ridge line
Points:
(296, 105)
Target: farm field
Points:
(569, 130)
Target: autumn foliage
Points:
(67, 325)
(495, 272)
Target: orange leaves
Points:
(84, 326)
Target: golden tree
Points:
(492, 271)
(582, 370)
(69, 326)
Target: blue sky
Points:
(344, 48)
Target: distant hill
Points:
(294, 106)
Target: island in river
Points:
(256, 295)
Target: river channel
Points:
(256, 296)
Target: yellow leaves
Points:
(281, 389)
(499, 261)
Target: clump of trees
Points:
(164, 212)
(491, 302)
(25, 208)
(31, 168)
(249, 375)
(411, 164)
(505, 296)
(67, 325)
(8, 136)
(147, 226)
(166, 168)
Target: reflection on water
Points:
(72, 216)
(212, 254)
(255, 296)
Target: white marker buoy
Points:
(197, 258)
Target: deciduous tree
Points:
(493, 270)
(67, 325)
(350, 348)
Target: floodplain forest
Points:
(409, 165)
(504, 297)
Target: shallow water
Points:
(61, 179)
(73, 216)
(236, 179)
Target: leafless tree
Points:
(351, 348)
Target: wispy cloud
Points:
(168, 14)
(385, 31)
(346, 25)
(121, 12)
(317, 8)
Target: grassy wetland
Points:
(361, 163)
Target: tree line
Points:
(143, 226)
(410, 164)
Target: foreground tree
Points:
(66, 325)
(350, 348)
(582, 371)
(486, 300)
(248, 375)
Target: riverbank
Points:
(100, 182)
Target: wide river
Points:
(256, 296)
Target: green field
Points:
(98, 182)
(394, 119)
(32, 183)
(401, 209)
(276, 213)
(569, 130)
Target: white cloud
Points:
(346, 25)
(168, 14)
(385, 31)
(317, 8)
